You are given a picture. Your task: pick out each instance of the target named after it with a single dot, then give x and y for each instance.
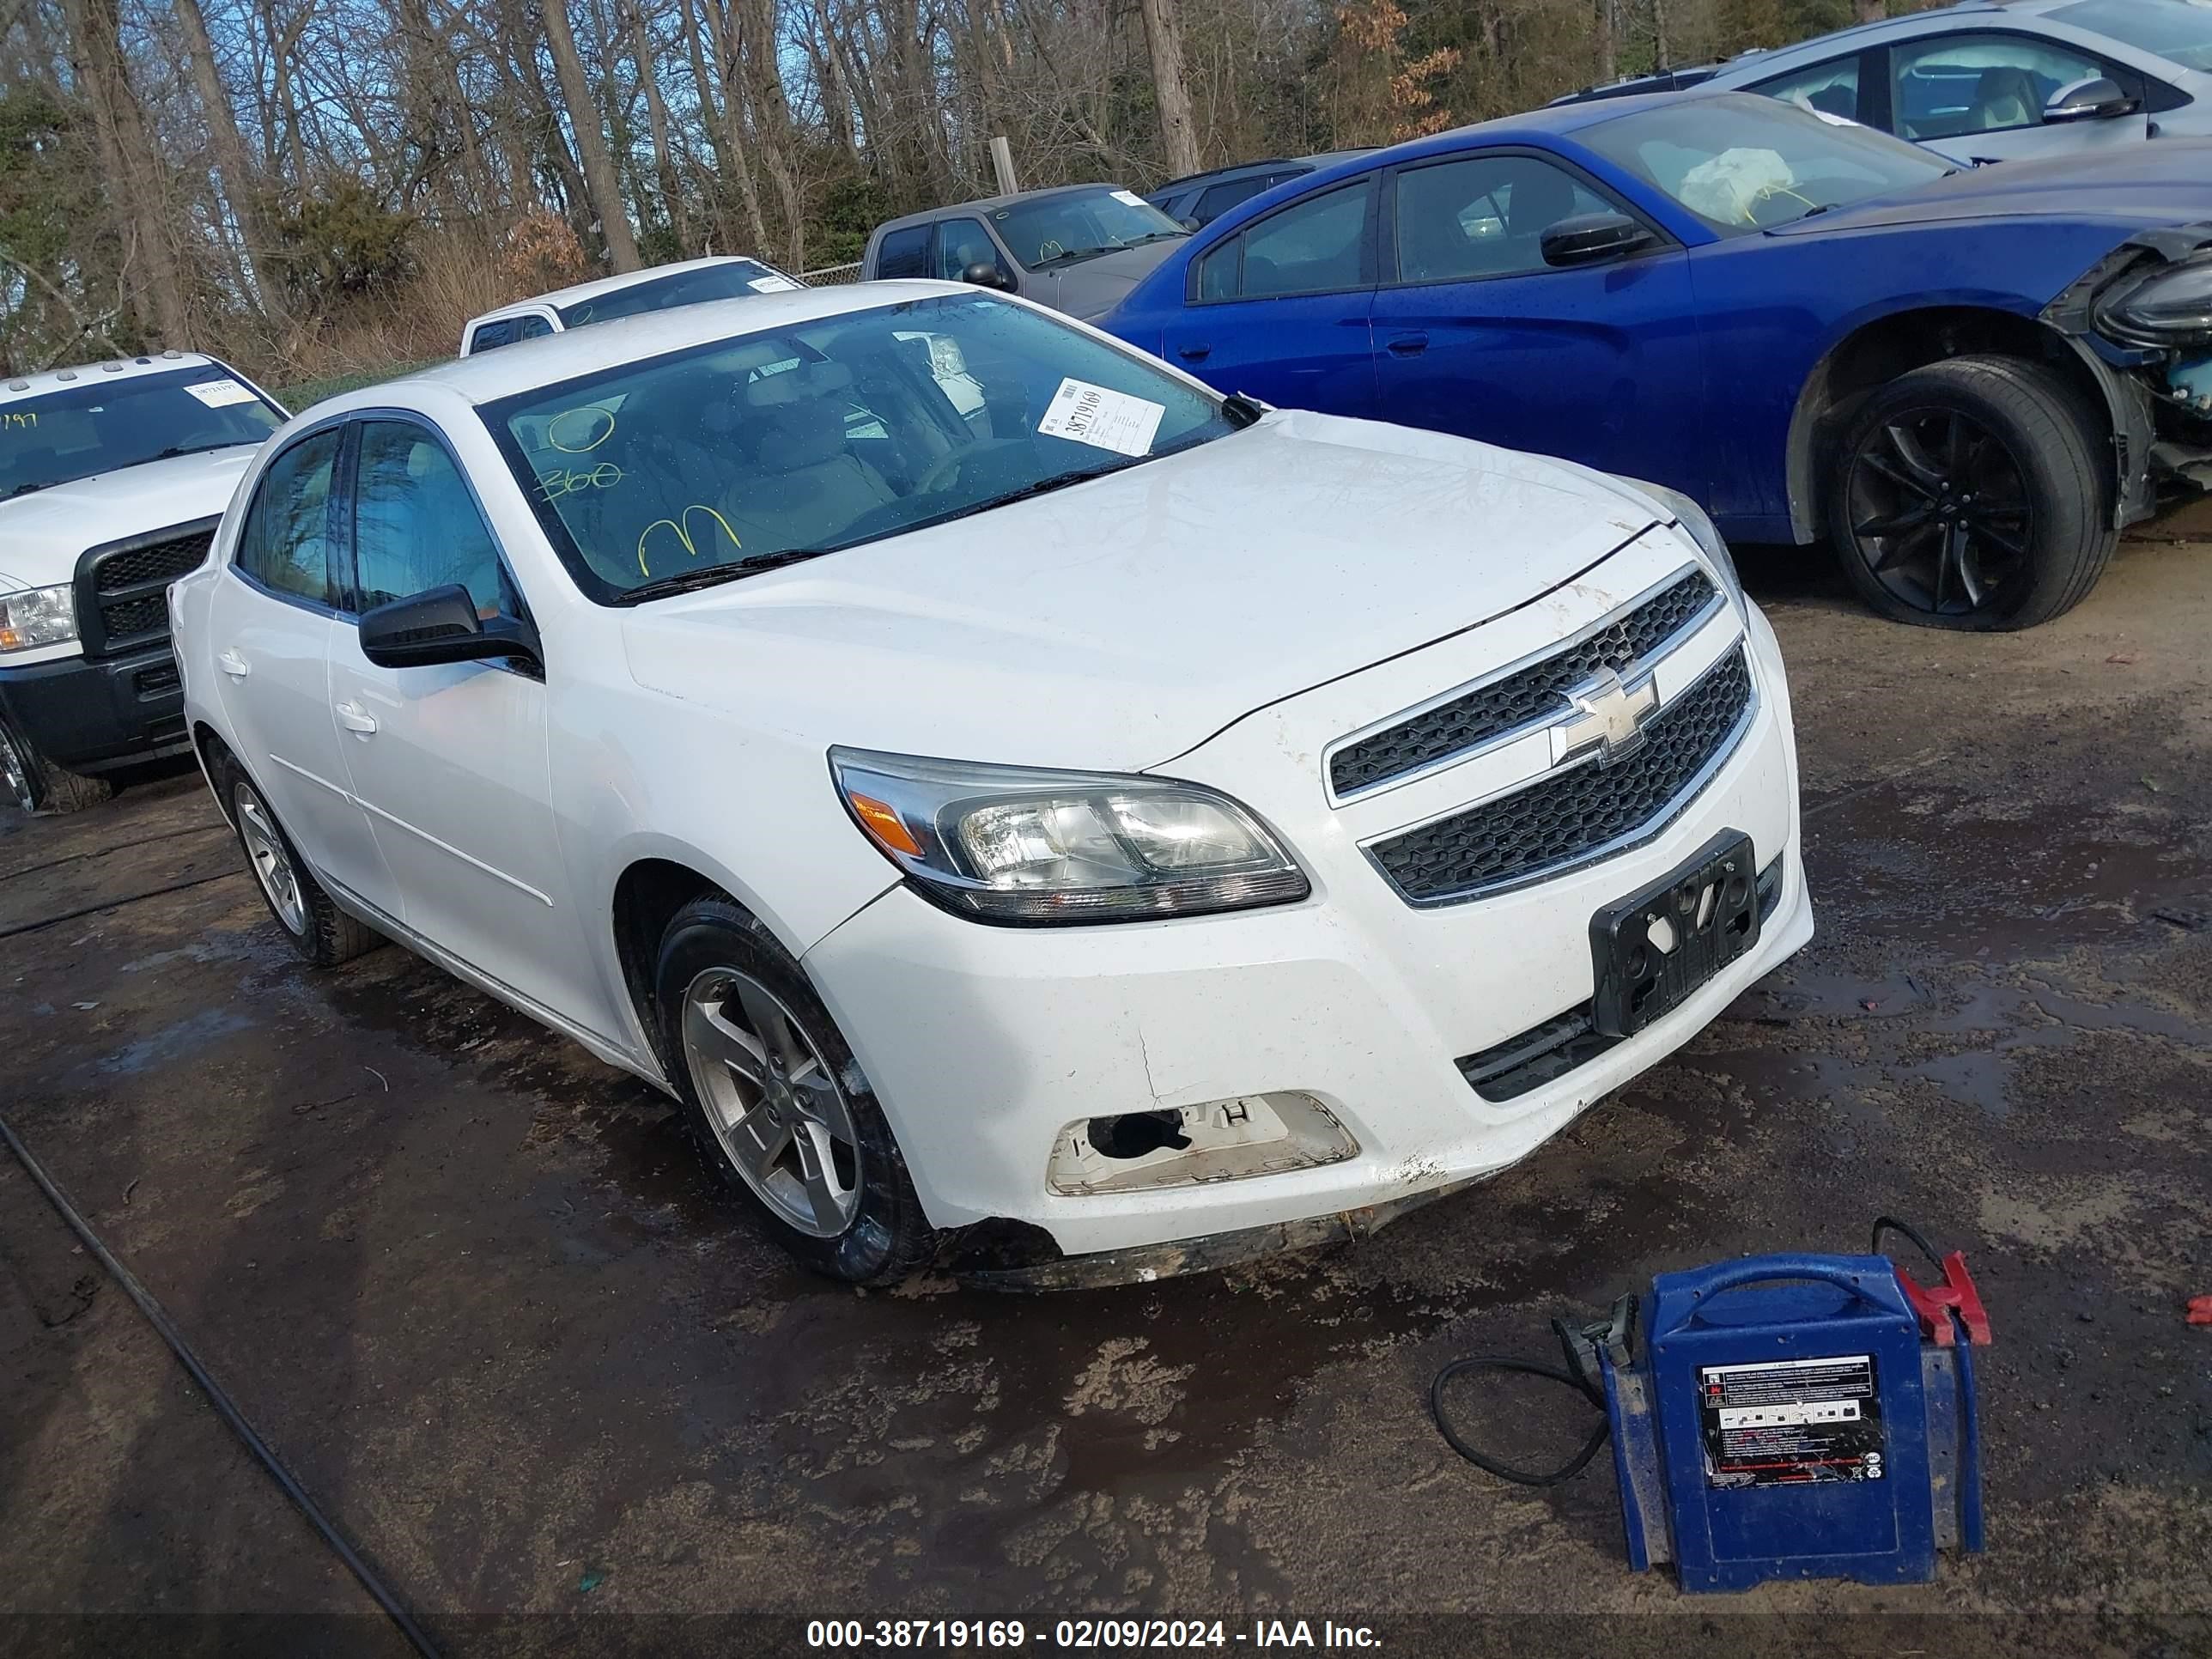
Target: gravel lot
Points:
(468, 1282)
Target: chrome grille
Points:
(1535, 692)
(1579, 812)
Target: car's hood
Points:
(1098, 285)
(42, 534)
(1116, 624)
(2136, 185)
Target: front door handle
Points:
(234, 664)
(354, 718)
(1196, 354)
(1409, 346)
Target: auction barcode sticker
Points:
(772, 285)
(1102, 417)
(1791, 1422)
(1130, 197)
(220, 394)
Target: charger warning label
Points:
(1790, 1422)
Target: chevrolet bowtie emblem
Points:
(1606, 713)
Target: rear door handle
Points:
(234, 664)
(1409, 346)
(1196, 354)
(354, 718)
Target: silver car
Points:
(1987, 82)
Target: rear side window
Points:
(1318, 247)
(1218, 199)
(904, 253)
(416, 526)
(531, 327)
(489, 336)
(286, 545)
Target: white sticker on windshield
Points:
(1103, 418)
(1130, 197)
(772, 285)
(220, 394)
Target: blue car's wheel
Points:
(1968, 496)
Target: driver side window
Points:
(415, 525)
(285, 544)
(1958, 84)
(1484, 215)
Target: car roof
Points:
(552, 358)
(1237, 170)
(929, 215)
(601, 286)
(13, 388)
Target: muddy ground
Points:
(469, 1283)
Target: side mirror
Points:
(1190, 224)
(440, 625)
(2098, 99)
(1590, 239)
(984, 274)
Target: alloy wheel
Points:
(272, 864)
(1939, 512)
(776, 1107)
(15, 772)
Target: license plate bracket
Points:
(1655, 948)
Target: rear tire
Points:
(776, 1105)
(310, 919)
(36, 784)
(1971, 494)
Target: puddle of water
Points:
(172, 1041)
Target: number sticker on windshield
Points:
(1102, 417)
(220, 394)
(1130, 197)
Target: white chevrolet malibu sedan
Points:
(1035, 814)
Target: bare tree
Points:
(587, 124)
(1164, 37)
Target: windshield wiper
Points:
(24, 488)
(175, 450)
(1076, 256)
(714, 576)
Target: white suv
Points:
(112, 478)
(611, 299)
(1104, 831)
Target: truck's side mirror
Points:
(985, 274)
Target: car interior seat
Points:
(809, 485)
(1837, 99)
(2006, 98)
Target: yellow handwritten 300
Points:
(681, 526)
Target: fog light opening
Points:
(1187, 1145)
(1133, 1135)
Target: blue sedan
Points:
(1967, 379)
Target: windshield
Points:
(2180, 31)
(822, 435)
(1743, 163)
(685, 287)
(1047, 232)
(107, 422)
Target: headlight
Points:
(33, 617)
(2168, 306)
(1695, 520)
(1016, 844)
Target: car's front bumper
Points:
(88, 715)
(984, 1044)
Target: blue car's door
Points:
(1474, 334)
(1280, 310)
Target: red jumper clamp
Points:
(1955, 1294)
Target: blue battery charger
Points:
(1788, 1420)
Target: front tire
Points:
(311, 921)
(36, 784)
(1969, 495)
(775, 1102)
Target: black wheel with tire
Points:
(309, 919)
(775, 1102)
(35, 784)
(1972, 494)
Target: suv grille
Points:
(1572, 814)
(122, 588)
(1536, 692)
